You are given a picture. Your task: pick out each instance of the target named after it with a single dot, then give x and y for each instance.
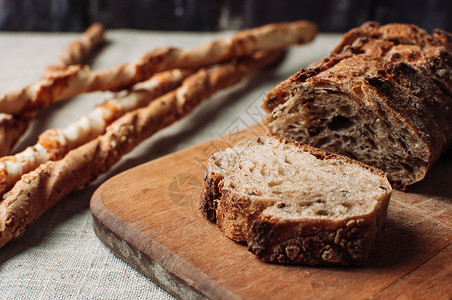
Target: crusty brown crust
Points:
(210, 192)
(404, 72)
(315, 242)
(321, 243)
(348, 242)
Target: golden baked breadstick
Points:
(40, 189)
(13, 127)
(80, 48)
(53, 144)
(75, 80)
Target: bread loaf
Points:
(383, 96)
(296, 204)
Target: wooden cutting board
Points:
(149, 216)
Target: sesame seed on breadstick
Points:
(74, 80)
(40, 189)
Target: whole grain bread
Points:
(383, 96)
(296, 204)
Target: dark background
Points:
(209, 15)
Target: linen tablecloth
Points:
(59, 256)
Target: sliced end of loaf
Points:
(380, 97)
(326, 115)
(275, 195)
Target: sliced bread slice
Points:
(296, 204)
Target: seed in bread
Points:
(296, 204)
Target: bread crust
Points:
(397, 73)
(349, 241)
(320, 243)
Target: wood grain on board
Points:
(149, 216)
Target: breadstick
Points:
(13, 127)
(79, 49)
(75, 80)
(53, 144)
(40, 189)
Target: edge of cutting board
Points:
(149, 216)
